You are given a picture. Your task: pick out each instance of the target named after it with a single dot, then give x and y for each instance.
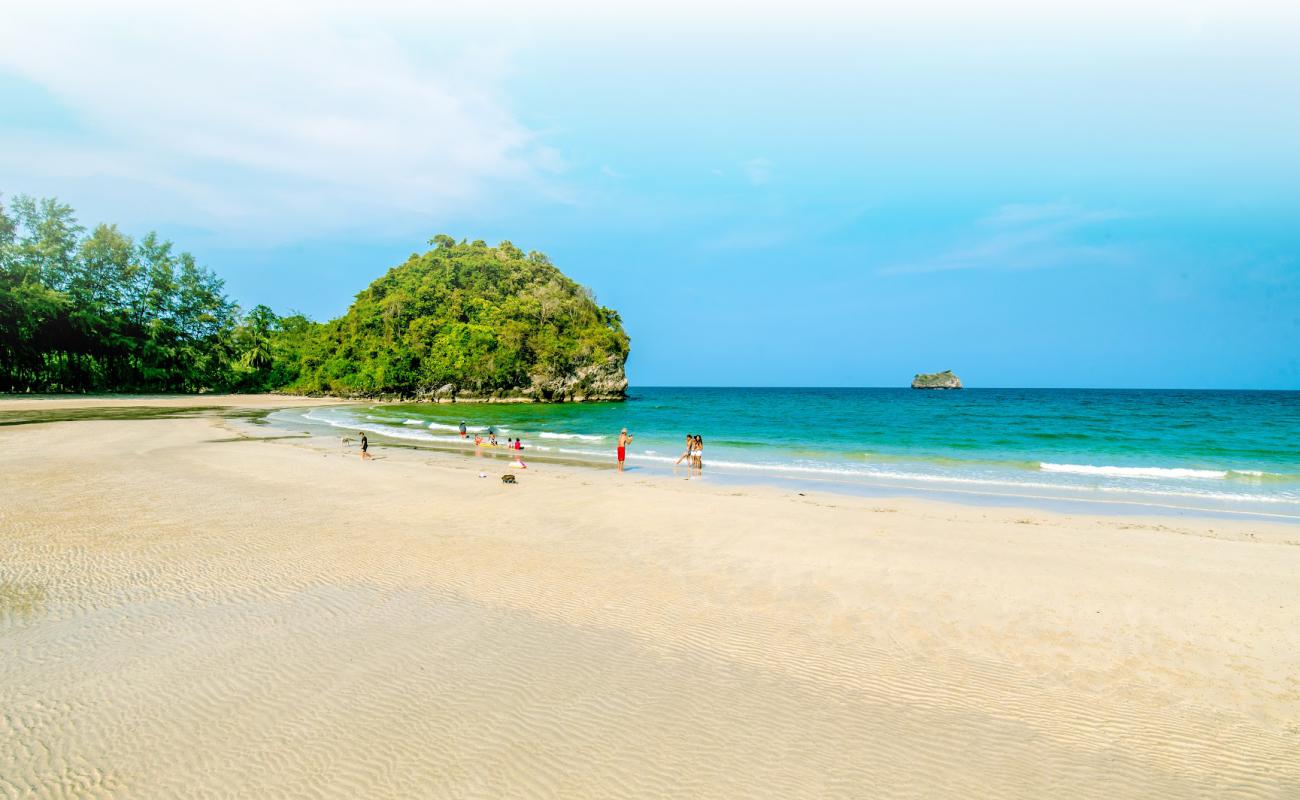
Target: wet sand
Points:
(186, 611)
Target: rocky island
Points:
(467, 322)
(936, 380)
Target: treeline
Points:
(98, 311)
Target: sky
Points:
(1097, 194)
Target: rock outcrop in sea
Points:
(936, 380)
(468, 322)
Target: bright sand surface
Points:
(187, 612)
(56, 402)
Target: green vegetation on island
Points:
(936, 380)
(101, 312)
(469, 320)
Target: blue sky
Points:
(820, 194)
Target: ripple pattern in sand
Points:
(198, 635)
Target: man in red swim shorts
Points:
(624, 439)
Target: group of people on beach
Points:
(694, 455)
(513, 444)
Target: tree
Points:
(255, 341)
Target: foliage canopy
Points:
(100, 311)
(488, 321)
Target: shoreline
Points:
(253, 407)
(970, 498)
(968, 491)
(189, 604)
(234, 399)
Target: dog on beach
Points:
(507, 478)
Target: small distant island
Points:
(936, 380)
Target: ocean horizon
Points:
(1218, 450)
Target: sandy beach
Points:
(187, 610)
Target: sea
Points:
(1223, 452)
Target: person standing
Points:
(690, 448)
(462, 429)
(624, 439)
(697, 456)
(365, 448)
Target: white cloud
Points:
(245, 116)
(1024, 236)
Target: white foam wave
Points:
(1259, 473)
(413, 422)
(985, 483)
(586, 437)
(438, 426)
(371, 427)
(1133, 472)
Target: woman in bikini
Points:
(690, 446)
(697, 457)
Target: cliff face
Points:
(936, 380)
(603, 380)
(588, 383)
(471, 322)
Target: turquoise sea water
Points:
(1219, 450)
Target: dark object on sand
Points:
(507, 478)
